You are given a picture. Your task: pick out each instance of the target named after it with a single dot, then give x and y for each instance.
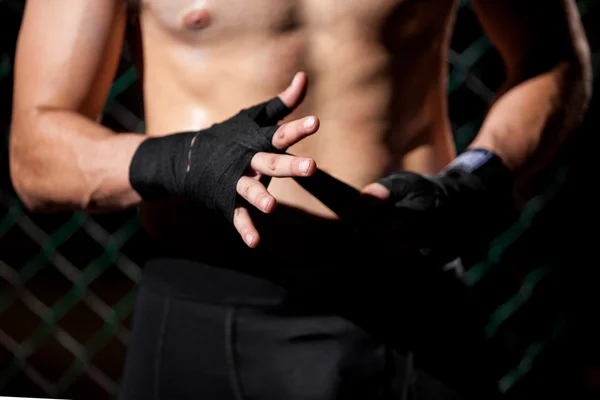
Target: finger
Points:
(376, 190)
(244, 225)
(293, 95)
(282, 165)
(274, 110)
(256, 194)
(292, 132)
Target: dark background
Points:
(67, 282)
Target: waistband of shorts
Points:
(203, 282)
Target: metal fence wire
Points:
(68, 282)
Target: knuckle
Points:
(299, 127)
(244, 187)
(259, 200)
(272, 162)
(250, 190)
(265, 202)
(238, 219)
(281, 132)
(266, 197)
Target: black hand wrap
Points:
(206, 165)
(463, 207)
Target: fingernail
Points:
(304, 166)
(249, 239)
(309, 122)
(264, 203)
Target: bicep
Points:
(532, 35)
(67, 54)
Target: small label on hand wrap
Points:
(486, 166)
(472, 160)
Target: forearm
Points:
(62, 161)
(528, 123)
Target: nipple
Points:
(196, 19)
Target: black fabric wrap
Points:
(460, 209)
(206, 165)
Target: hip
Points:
(184, 348)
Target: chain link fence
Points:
(68, 282)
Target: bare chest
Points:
(215, 20)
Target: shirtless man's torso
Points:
(377, 82)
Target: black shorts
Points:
(202, 332)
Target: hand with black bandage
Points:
(455, 213)
(229, 161)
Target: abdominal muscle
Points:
(375, 118)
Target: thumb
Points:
(293, 95)
(376, 190)
(274, 110)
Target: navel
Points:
(196, 19)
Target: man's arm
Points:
(548, 84)
(60, 158)
(457, 212)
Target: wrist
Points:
(483, 204)
(486, 166)
(157, 165)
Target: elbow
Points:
(570, 74)
(24, 164)
(33, 181)
(574, 70)
(37, 192)
(26, 189)
(569, 66)
(33, 203)
(20, 175)
(580, 78)
(577, 82)
(26, 183)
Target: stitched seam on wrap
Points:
(189, 156)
